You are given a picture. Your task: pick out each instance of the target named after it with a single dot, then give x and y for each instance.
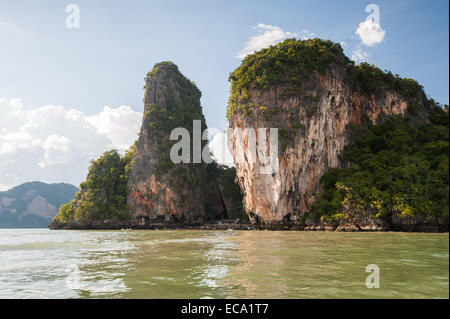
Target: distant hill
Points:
(33, 204)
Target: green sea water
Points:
(41, 263)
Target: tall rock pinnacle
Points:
(160, 190)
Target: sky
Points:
(71, 89)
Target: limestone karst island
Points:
(225, 159)
(359, 149)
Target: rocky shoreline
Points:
(237, 225)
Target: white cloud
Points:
(306, 35)
(56, 151)
(11, 142)
(359, 55)
(269, 34)
(116, 124)
(55, 144)
(370, 32)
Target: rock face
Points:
(311, 111)
(159, 190)
(147, 187)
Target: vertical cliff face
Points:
(311, 92)
(145, 186)
(160, 190)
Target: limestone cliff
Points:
(159, 190)
(311, 92)
(144, 188)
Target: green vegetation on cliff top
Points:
(181, 103)
(399, 167)
(103, 195)
(291, 61)
(181, 106)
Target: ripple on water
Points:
(221, 264)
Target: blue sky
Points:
(104, 62)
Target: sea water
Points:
(42, 263)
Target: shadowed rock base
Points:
(238, 225)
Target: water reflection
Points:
(221, 264)
(332, 265)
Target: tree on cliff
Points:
(103, 195)
(399, 169)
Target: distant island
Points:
(34, 204)
(360, 149)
